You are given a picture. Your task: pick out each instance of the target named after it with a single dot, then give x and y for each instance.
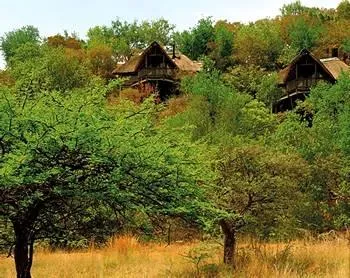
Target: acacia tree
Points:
(67, 161)
(255, 185)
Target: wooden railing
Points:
(301, 85)
(157, 73)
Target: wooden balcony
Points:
(157, 73)
(301, 85)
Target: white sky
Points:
(52, 17)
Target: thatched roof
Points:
(284, 74)
(181, 62)
(128, 67)
(332, 66)
(335, 66)
(186, 64)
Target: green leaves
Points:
(11, 41)
(255, 186)
(195, 43)
(64, 154)
(304, 34)
(42, 68)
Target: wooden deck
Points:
(157, 73)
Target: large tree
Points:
(11, 41)
(255, 186)
(67, 161)
(343, 9)
(196, 41)
(41, 68)
(259, 44)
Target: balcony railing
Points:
(157, 73)
(302, 85)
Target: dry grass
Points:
(126, 257)
(175, 106)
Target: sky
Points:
(52, 17)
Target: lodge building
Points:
(302, 74)
(158, 68)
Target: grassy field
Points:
(126, 257)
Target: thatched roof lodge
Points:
(158, 67)
(304, 72)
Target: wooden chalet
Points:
(157, 67)
(303, 73)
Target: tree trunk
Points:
(229, 243)
(23, 252)
(229, 248)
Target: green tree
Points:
(294, 8)
(222, 47)
(103, 36)
(259, 44)
(196, 41)
(255, 185)
(343, 9)
(100, 35)
(100, 61)
(140, 35)
(67, 161)
(64, 41)
(245, 78)
(304, 33)
(297, 9)
(268, 91)
(47, 68)
(127, 38)
(223, 39)
(11, 41)
(325, 146)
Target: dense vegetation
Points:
(76, 167)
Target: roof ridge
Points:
(330, 59)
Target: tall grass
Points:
(126, 257)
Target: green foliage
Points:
(304, 34)
(219, 113)
(221, 49)
(255, 187)
(287, 55)
(125, 38)
(294, 8)
(45, 68)
(195, 42)
(325, 146)
(297, 9)
(346, 45)
(259, 44)
(223, 40)
(140, 35)
(256, 82)
(101, 35)
(11, 41)
(343, 9)
(268, 91)
(245, 79)
(70, 166)
(74, 167)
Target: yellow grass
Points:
(126, 257)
